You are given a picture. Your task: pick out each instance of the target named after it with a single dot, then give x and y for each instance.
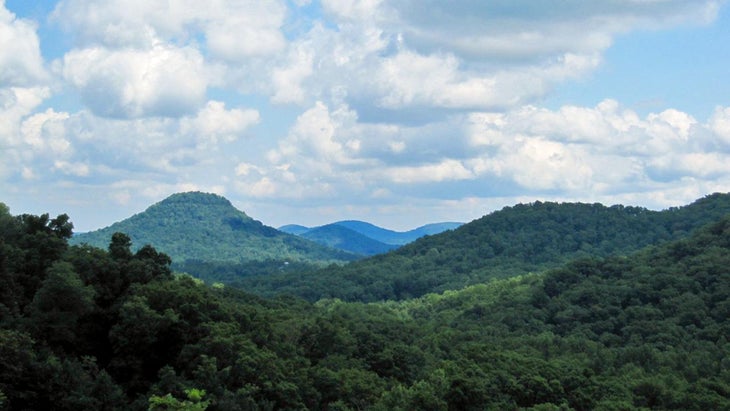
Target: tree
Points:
(194, 402)
(59, 304)
(119, 247)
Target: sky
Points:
(400, 113)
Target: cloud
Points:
(720, 126)
(231, 29)
(21, 64)
(577, 153)
(81, 148)
(15, 104)
(214, 123)
(130, 60)
(287, 79)
(244, 29)
(525, 30)
(370, 54)
(138, 83)
(446, 170)
(383, 57)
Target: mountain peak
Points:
(207, 227)
(196, 197)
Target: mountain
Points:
(395, 237)
(342, 238)
(515, 240)
(295, 229)
(434, 228)
(206, 227)
(364, 238)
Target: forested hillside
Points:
(206, 227)
(515, 240)
(86, 328)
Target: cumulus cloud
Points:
(149, 58)
(214, 123)
(232, 29)
(446, 170)
(381, 57)
(571, 153)
(161, 81)
(21, 63)
(368, 53)
(82, 148)
(15, 104)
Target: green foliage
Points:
(194, 402)
(115, 329)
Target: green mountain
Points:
(515, 240)
(206, 227)
(342, 238)
(86, 328)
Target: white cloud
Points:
(21, 63)
(45, 133)
(240, 30)
(288, 78)
(214, 123)
(161, 81)
(76, 169)
(720, 125)
(321, 135)
(446, 170)
(232, 30)
(15, 104)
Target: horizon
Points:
(315, 111)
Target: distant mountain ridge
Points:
(207, 227)
(364, 238)
(516, 240)
(340, 237)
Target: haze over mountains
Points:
(361, 237)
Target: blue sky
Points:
(396, 112)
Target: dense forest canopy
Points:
(116, 329)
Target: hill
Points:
(515, 240)
(197, 226)
(342, 238)
(85, 328)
